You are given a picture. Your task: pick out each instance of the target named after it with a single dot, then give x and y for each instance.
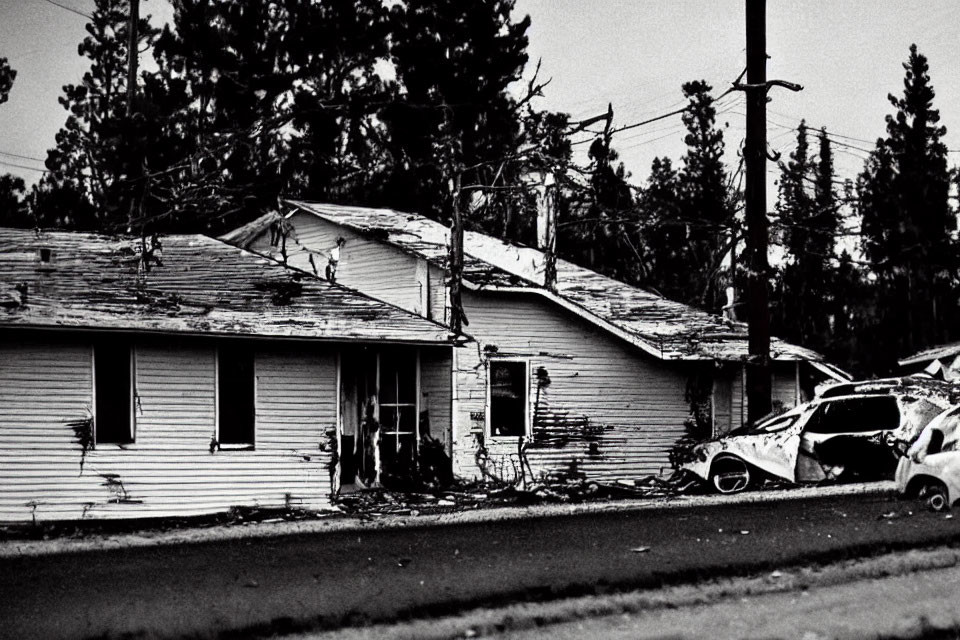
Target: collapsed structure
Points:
(572, 371)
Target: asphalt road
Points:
(299, 582)
(916, 605)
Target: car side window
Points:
(855, 415)
(776, 424)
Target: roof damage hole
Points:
(282, 292)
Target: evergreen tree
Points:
(95, 164)
(278, 100)
(12, 212)
(13, 206)
(601, 231)
(454, 62)
(808, 218)
(7, 76)
(664, 233)
(689, 241)
(907, 221)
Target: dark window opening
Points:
(113, 414)
(856, 415)
(235, 396)
(508, 398)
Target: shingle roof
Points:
(200, 286)
(667, 329)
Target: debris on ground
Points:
(464, 496)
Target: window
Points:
(773, 425)
(235, 396)
(398, 413)
(113, 375)
(856, 415)
(508, 382)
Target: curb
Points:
(334, 523)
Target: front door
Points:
(398, 384)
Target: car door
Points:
(846, 434)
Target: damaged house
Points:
(182, 376)
(582, 373)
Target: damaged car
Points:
(930, 470)
(849, 432)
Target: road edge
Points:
(335, 522)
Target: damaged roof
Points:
(939, 352)
(186, 284)
(669, 330)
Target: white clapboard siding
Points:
(371, 267)
(783, 383)
(637, 402)
(169, 469)
(438, 295)
(435, 386)
(783, 389)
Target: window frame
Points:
(232, 446)
(527, 426)
(132, 390)
(823, 407)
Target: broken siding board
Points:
(634, 406)
(169, 469)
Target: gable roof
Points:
(199, 286)
(666, 329)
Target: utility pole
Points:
(133, 54)
(755, 164)
(457, 316)
(133, 43)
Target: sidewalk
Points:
(337, 522)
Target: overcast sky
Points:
(634, 53)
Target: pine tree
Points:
(664, 233)
(278, 100)
(13, 206)
(7, 76)
(93, 168)
(601, 231)
(808, 219)
(693, 238)
(454, 62)
(907, 221)
(12, 210)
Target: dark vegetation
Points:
(360, 103)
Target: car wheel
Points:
(730, 475)
(935, 496)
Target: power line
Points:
(70, 9)
(22, 166)
(17, 155)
